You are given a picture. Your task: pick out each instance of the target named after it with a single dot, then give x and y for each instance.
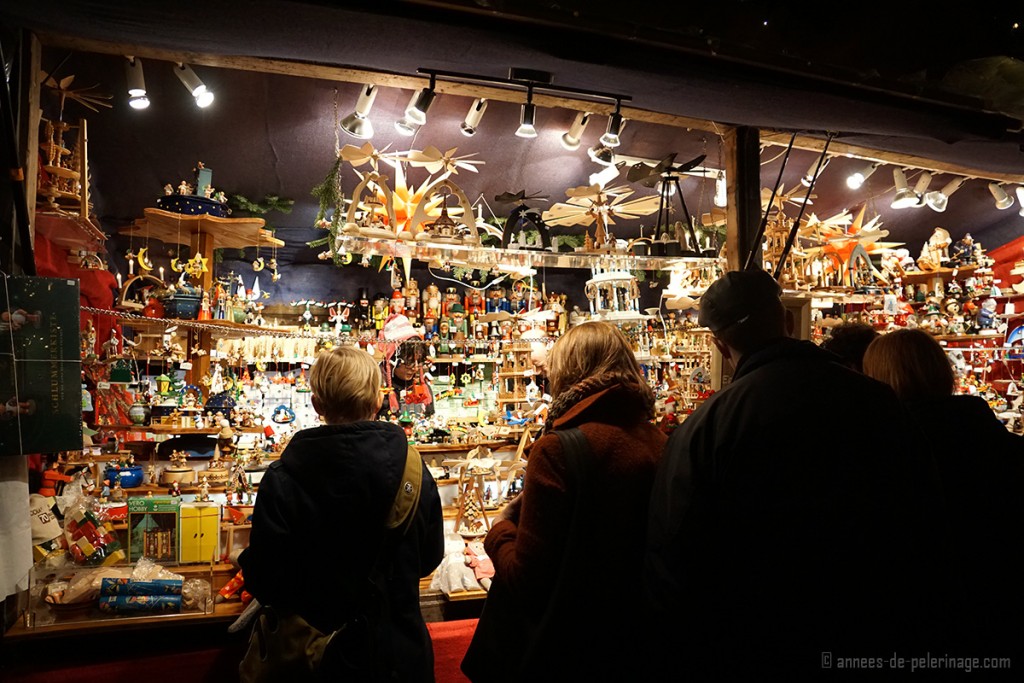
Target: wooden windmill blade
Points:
(434, 160)
(634, 208)
(564, 214)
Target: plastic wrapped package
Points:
(454, 576)
(196, 595)
(90, 541)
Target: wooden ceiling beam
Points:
(343, 74)
(900, 159)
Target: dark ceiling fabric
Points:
(270, 134)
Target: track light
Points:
(856, 179)
(406, 127)
(473, 116)
(1003, 200)
(808, 177)
(188, 78)
(606, 174)
(905, 198)
(938, 199)
(421, 100)
(356, 124)
(921, 187)
(137, 98)
(527, 117)
(571, 138)
(601, 154)
(611, 134)
(1020, 198)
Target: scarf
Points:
(581, 390)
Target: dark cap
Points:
(735, 296)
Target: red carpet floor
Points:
(451, 638)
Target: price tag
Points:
(102, 386)
(185, 366)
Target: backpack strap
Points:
(408, 496)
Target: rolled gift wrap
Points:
(140, 603)
(124, 586)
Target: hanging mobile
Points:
(258, 264)
(176, 264)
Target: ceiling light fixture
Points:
(571, 137)
(420, 103)
(938, 199)
(855, 180)
(527, 117)
(905, 197)
(606, 174)
(203, 95)
(1003, 200)
(611, 134)
(137, 98)
(406, 127)
(356, 124)
(921, 187)
(601, 154)
(473, 116)
(808, 177)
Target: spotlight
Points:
(606, 174)
(188, 78)
(473, 116)
(527, 117)
(421, 100)
(571, 138)
(921, 187)
(809, 176)
(938, 199)
(1003, 200)
(406, 127)
(611, 134)
(905, 197)
(600, 154)
(137, 98)
(356, 124)
(856, 179)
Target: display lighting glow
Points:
(202, 95)
(137, 98)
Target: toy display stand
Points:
(203, 233)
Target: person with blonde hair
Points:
(575, 535)
(981, 469)
(331, 492)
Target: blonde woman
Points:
(547, 586)
(319, 521)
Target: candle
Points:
(161, 272)
(119, 280)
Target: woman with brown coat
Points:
(553, 575)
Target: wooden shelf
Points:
(946, 274)
(69, 231)
(220, 328)
(177, 228)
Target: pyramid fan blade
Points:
(638, 172)
(691, 164)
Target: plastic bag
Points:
(90, 541)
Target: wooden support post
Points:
(202, 243)
(743, 176)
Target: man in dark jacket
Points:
(787, 516)
(319, 521)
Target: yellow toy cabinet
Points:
(200, 532)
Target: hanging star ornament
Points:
(197, 265)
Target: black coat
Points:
(788, 519)
(317, 525)
(981, 465)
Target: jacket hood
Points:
(613, 405)
(361, 459)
